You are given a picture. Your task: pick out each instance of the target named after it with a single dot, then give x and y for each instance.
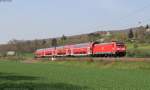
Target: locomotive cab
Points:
(120, 49)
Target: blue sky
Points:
(35, 19)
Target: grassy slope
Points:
(75, 75)
(140, 46)
(143, 50)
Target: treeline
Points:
(137, 35)
(133, 35)
(32, 45)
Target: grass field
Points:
(15, 75)
(143, 50)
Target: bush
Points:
(135, 46)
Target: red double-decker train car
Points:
(85, 49)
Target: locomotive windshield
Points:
(120, 44)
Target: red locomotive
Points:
(85, 49)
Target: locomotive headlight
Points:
(123, 48)
(118, 48)
(113, 48)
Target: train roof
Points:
(83, 44)
(44, 49)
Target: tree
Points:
(141, 34)
(135, 45)
(130, 34)
(147, 26)
(121, 36)
(147, 37)
(54, 42)
(94, 36)
(43, 42)
(63, 39)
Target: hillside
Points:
(141, 35)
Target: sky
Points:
(39, 19)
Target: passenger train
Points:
(110, 49)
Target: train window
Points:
(82, 45)
(120, 45)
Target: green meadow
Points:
(138, 50)
(100, 75)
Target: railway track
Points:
(92, 59)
